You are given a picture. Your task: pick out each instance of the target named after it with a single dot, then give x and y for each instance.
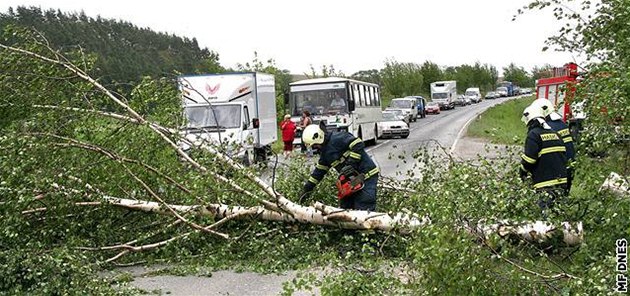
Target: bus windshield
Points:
(439, 96)
(217, 116)
(319, 102)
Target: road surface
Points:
(444, 129)
(439, 133)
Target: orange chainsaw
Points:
(347, 184)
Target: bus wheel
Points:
(372, 141)
(375, 141)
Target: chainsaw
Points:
(347, 184)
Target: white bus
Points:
(342, 104)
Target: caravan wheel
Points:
(248, 159)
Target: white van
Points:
(406, 105)
(474, 94)
(234, 110)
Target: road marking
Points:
(462, 130)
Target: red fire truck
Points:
(560, 89)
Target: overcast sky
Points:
(351, 35)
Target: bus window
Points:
(362, 95)
(372, 96)
(355, 90)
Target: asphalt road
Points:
(437, 132)
(440, 132)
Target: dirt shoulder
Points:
(470, 148)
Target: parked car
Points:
(526, 91)
(502, 91)
(462, 100)
(492, 95)
(392, 126)
(516, 91)
(432, 108)
(401, 115)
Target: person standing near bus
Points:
(288, 135)
(304, 122)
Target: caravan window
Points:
(439, 96)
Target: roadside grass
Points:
(502, 124)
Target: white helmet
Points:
(531, 112)
(312, 134)
(545, 106)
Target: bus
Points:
(341, 104)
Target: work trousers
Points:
(364, 199)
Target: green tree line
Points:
(125, 53)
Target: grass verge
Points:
(502, 124)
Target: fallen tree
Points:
(274, 206)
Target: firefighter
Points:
(346, 154)
(554, 120)
(544, 158)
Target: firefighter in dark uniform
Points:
(554, 120)
(544, 158)
(346, 154)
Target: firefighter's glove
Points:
(347, 171)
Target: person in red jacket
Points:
(288, 135)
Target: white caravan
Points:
(236, 111)
(444, 93)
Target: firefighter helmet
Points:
(531, 112)
(312, 134)
(545, 106)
